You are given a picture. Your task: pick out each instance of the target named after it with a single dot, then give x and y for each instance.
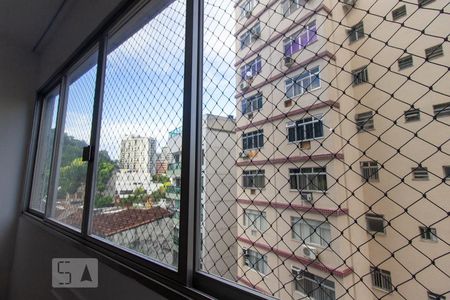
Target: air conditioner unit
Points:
(244, 252)
(243, 155)
(288, 61)
(252, 191)
(309, 252)
(244, 85)
(306, 197)
(248, 13)
(297, 273)
(250, 115)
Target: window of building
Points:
(381, 279)
(446, 172)
(434, 52)
(306, 81)
(251, 69)
(433, 296)
(247, 8)
(412, 114)
(311, 231)
(256, 261)
(422, 3)
(289, 6)
(255, 220)
(441, 110)
(399, 12)
(369, 170)
(356, 32)
(301, 39)
(375, 223)
(364, 121)
(308, 179)
(428, 233)
(252, 104)
(305, 129)
(360, 76)
(44, 155)
(420, 173)
(253, 179)
(405, 62)
(250, 36)
(314, 287)
(253, 140)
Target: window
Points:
(375, 223)
(441, 110)
(253, 140)
(428, 233)
(255, 261)
(424, 2)
(434, 52)
(364, 121)
(255, 220)
(311, 231)
(356, 32)
(315, 286)
(420, 173)
(301, 39)
(405, 62)
(381, 279)
(253, 179)
(305, 129)
(433, 296)
(251, 104)
(360, 76)
(306, 81)
(70, 180)
(399, 12)
(308, 179)
(289, 6)
(412, 114)
(251, 69)
(42, 168)
(250, 36)
(369, 170)
(446, 172)
(247, 8)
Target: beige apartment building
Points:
(343, 148)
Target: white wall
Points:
(17, 92)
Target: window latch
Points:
(87, 153)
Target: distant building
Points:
(126, 182)
(138, 154)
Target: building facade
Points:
(324, 103)
(138, 154)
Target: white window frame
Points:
(249, 67)
(303, 82)
(318, 286)
(290, 6)
(297, 124)
(364, 121)
(305, 33)
(253, 175)
(254, 136)
(381, 279)
(255, 220)
(311, 232)
(307, 172)
(256, 261)
(428, 234)
(252, 102)
(247, 6)
(249, 37)
(356, 32)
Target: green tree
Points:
(72, 176)
(139, 196)
(103, 201)
(160, 178)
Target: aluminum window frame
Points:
(187, 280)
(299, 82)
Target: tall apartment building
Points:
(138, 154)
(218, 198)
(341, 190)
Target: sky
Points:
(143, 92)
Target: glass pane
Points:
(72, 170)
(137, 197)
(44, 153)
